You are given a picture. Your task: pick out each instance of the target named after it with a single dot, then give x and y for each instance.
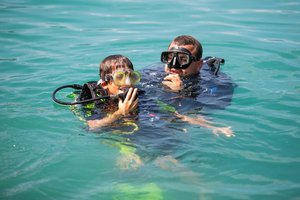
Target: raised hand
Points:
(130, 102)
(173, 82)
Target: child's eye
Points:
(119, 76)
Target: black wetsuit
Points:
(201, 91)
(157, 124)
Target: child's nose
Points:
(127, 81)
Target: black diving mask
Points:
(178, 58)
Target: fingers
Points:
(134, 95)
(135, 104)
(134, 100)
(167, 83)
(128, 95)
(227, 131)
(171, 77)
(215, 131)
(131, 95)
(224, 130)
(167, 78)
(130, 102)
(174, 86)
(173, 81)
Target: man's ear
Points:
(199, 64)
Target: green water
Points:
(47, 153)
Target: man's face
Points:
(192, 69)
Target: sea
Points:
(47, 152)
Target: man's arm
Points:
(200, 121)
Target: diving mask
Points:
(178, 58)
(121, 78)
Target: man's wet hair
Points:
(189, 40)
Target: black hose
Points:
(76, 87)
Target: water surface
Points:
(46, 151)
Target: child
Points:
(116, 76)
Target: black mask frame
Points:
(177, 64)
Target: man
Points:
(183, 59)
(183, 62)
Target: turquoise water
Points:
(47, 153)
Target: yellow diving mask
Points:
(122, 78)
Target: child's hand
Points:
(174, 82)
(130, 102)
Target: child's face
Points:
(122, 79)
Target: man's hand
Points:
(201, 121)
(174, 82)
(227, 131)
(129, 103)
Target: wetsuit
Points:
(201, 91)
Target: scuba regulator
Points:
(89, 93)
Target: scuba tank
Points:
(214, 63)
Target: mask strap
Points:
(102, 83)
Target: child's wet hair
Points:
(112, 63)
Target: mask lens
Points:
(120, 78)
(135, 77)
(177, 59)
(166, 57)
(183, 58)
